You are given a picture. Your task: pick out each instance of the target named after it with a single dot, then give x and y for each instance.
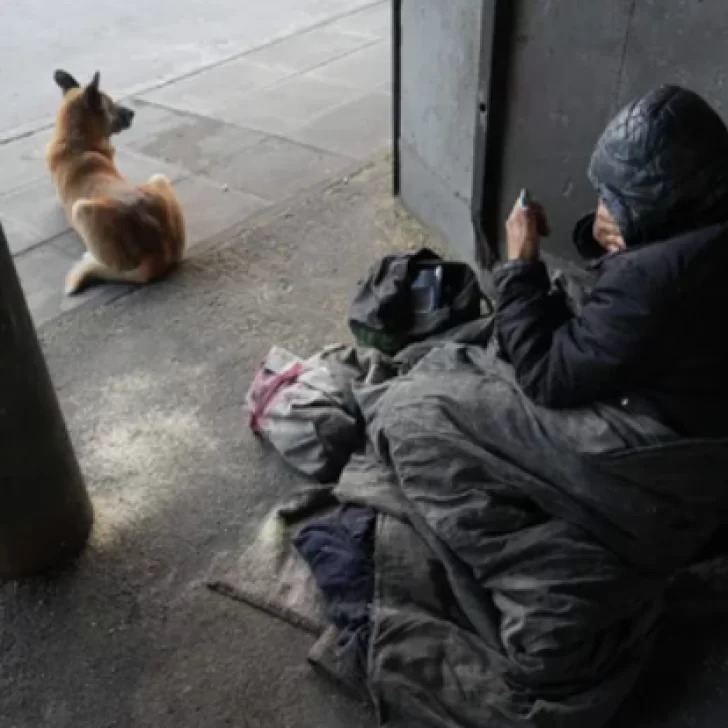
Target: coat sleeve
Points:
(571, 361)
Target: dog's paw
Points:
(73, 285)
(75, 279)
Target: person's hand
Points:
(524, 229)
(606, 232)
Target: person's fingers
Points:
(606, 232)
(616, 241)
(517, 218)
(605, 225)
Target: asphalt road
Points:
(136, 44)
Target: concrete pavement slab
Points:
(216, 89)
(366, 69)
(357, 129)
(23, 161)
(374, 21)
(36, 207)
(210, 208)
(69, 244)
(149, 121)
(189, 141)
(20, 236)
(288, 105)
(137, 168)
(42, 272)
(277, 168)
(307, 50)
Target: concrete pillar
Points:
(45, 511)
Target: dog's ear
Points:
(92, 94)
(65, 81)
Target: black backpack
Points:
(409, 297)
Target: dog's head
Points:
(89, 109)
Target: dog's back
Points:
(132, 234)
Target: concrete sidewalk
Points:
(236, 138)
(153, 389)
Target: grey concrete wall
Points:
(565, 76)
(439, 62)
(574, 65)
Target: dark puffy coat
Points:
(651, 333)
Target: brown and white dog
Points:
(133, 234)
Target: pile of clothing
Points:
(483, 561)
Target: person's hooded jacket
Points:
(651, 333)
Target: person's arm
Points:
(552, 300)
(576, 361)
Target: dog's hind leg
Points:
(88, 270)
(100, 223)
(82, 273)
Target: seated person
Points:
(649, 336)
